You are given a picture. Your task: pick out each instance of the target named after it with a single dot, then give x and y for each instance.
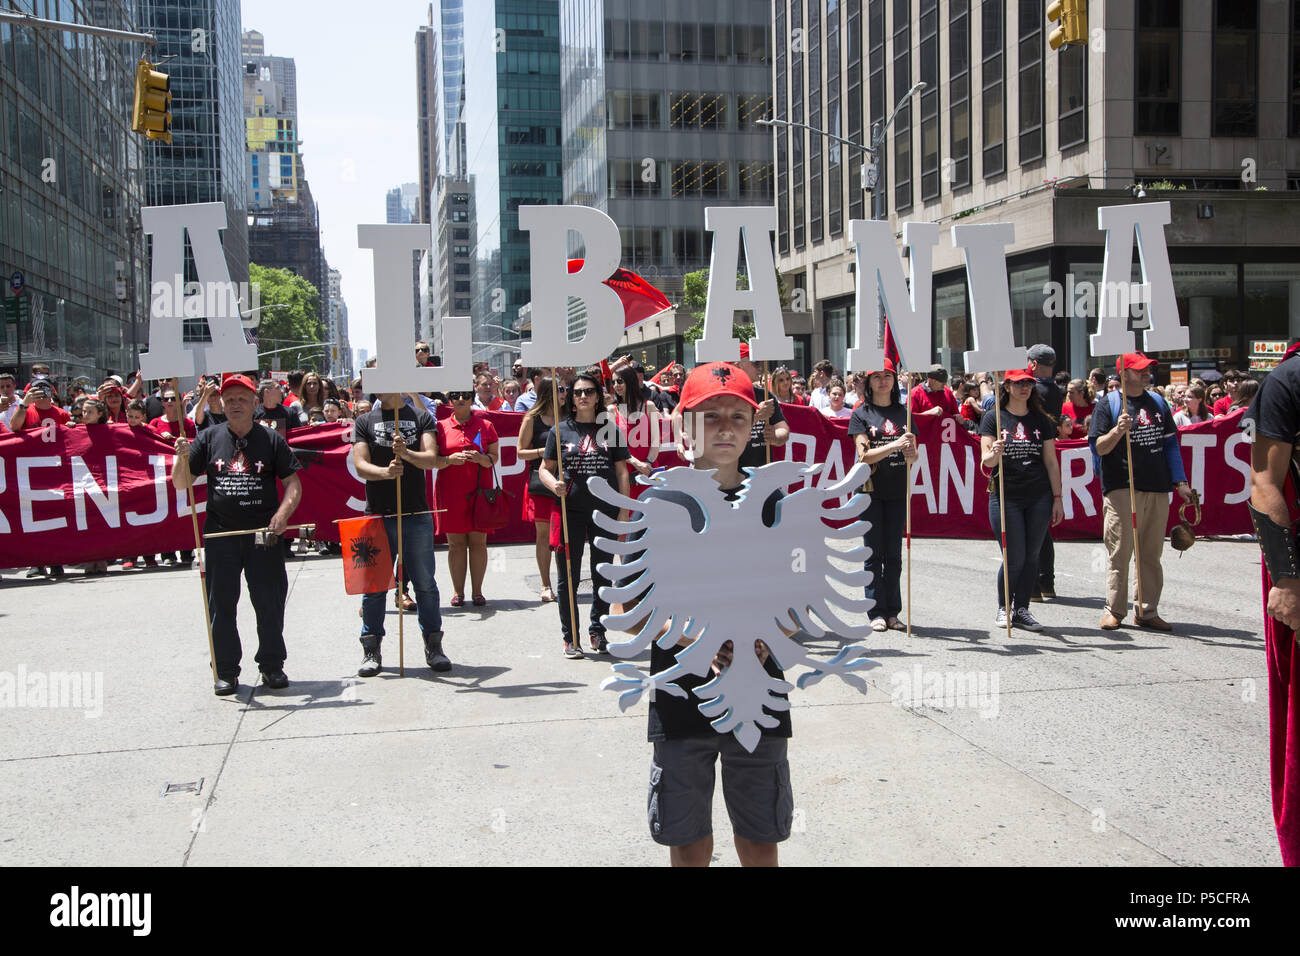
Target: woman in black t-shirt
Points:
(1025, 453)
(879, 430)
(592, 446)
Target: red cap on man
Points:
(716, 378)
(1135, 361)
(233, 379)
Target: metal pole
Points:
(26, 19)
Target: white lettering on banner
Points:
(27, 496)
(754, 226)
(84, 486)
(836, 468)
(359, 504)
(511, 442)
(4, 522)
(548, 229)
(183, 498)
(1074, 485)
(921, 479)
(962, 480)
(160, 484)
(880, 278)
(1147, 222)
(1242, 467)
(1198, 443)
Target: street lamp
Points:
(243, 316)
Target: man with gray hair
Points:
(1042, 360)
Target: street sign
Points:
(17, 282)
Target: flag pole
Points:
(908, 512)
(564, 511)
(767, 445)
(1002, 506)
(401, 566)
(1132, 495)
(201, 555)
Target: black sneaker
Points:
(275, 679)
(571, 651)
(1022, 618)
(598, 643)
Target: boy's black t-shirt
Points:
(672, 717)
(375, 428)
(1152, 421)
(1275, 410)
(754, 455)
(210, 419)
(241, 475)
(883, 425)
(278, 418)
(1026, 473)
(586, 454)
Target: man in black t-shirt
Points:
(769, 426)
(1042, 359)
(1274, 417)
(382, 447)
(1157, 468)
(271, 412)
(242, 462)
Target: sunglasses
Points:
(421, 350)
(168, 401)
(460, 396)
(578, 392)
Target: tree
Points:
(298, 325)
(695, 295)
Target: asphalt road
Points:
(1072, 746)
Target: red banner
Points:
(69, 495)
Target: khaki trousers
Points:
(1117, 532)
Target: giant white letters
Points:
(880, 275)
(1147, 222)
(754, 225)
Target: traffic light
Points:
(1073, 28)
(151, 113)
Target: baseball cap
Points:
(1018, 375)
(714, 379)
(1134, 360)
(1042, 353)
(937, 371)
(888, 367)
(240, 381)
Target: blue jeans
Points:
(885, 539)
(417, 567)
(1027, 525)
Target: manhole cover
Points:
(194, 786)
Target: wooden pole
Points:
(202, 559)
(767, 445)
(401, 565)
(1002, 506)
(908, 513)
(235, 534)
(1132, 495)
(564, 511)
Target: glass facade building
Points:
(512, 129)
(70, 187)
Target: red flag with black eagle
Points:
(367, 559)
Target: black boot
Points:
(433, 655)
(371, 662)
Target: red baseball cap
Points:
(712, 380)
(1134, 360)
(242, 381)
(1018, 375)
(889, 367)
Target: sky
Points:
(357, 120)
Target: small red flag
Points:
(367, 559)
(891, 350)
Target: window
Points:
(1158, 68)
(992, 40)
(853, 37)
(460, 250)
(903, 121)
(1072, 96)
(797, 135)
(647, 40)
(834, 150)
(959, 92)
(753, 108)
(929, 51)
(813, 40)
(1293, 128)
(1236, 68)
(683, 42)
(876, 92)
(461, 268)
(782, 136)
(1031, 81)
(755, 180)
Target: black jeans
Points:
(268, 586)
(885, 539)
(1027, 523)
(1047, 562)
(581, 530)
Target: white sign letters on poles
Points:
(396, 369)
(880, 275)
(168, 356)
(754, 225)
(1146, 222)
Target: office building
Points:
(1171, 100)
(71, 185)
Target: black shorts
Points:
(756, 787)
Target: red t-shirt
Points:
(1078, 413)
(1223, 405)
(923, 401)
(971, 413)
(163, 427)
(37, 418)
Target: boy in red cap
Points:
(714, 417)
(1157, 468)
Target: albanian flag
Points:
(367, 560)
(640, 299)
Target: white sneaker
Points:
(1022, 618)
(1000, 621)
